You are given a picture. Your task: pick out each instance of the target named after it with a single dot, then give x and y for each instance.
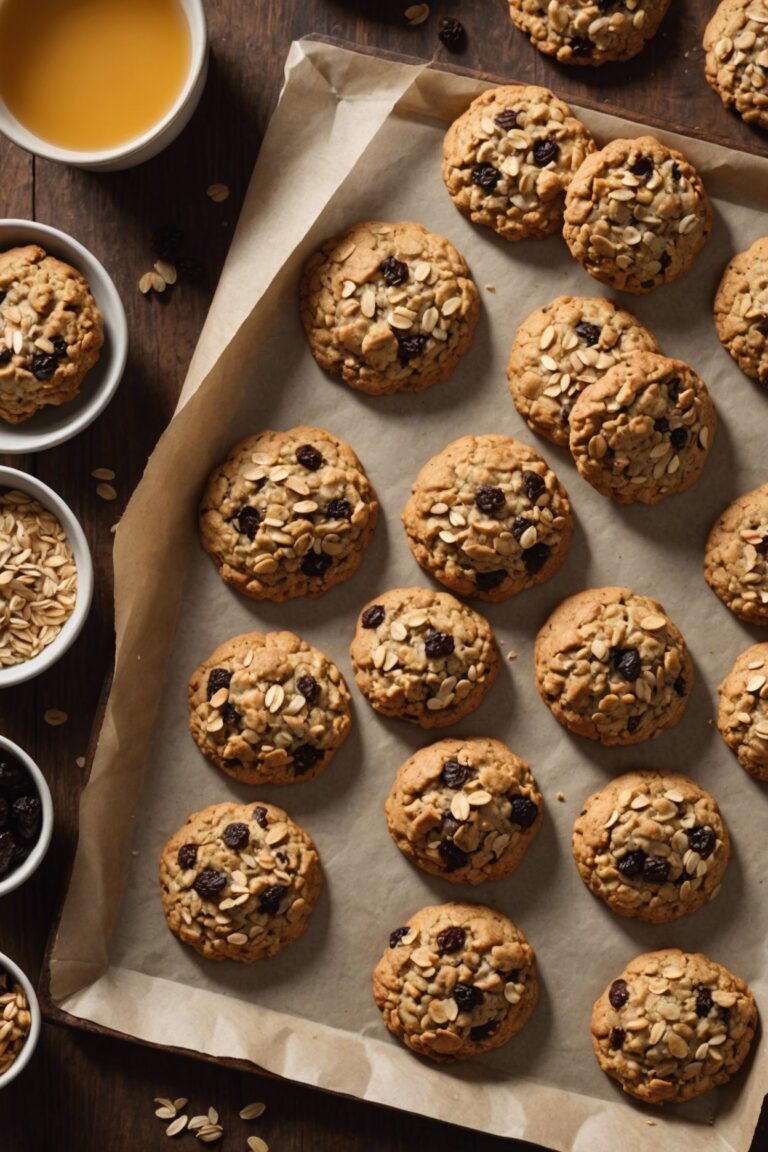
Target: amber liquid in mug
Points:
(92, 74)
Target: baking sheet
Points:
(371, 149)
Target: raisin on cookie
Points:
(644, 431)
(388, 307)
(560, 349)
(611, 666)
(487, 517)
(455, 981)
(239, 881)
(652, 845)
(673, 1025)
(742, 715)
(288, 514)
(423, 656)
(509, 158)
(465, 810)
(636, 215)
(269, 708)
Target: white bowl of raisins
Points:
(26, 816)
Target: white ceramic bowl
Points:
(17, 877)
(18, 673)
(56, 423)
(141, 148)
(33, 1036)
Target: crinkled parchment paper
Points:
(356, 137)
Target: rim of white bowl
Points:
(194, 12)
(19, 673)
(25, 870)
(76, 414)
(33, 1035)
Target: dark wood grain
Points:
(85, 1092)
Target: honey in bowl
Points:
(90, 75)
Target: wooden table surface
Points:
(86, 1092)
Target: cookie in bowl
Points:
(51, 332)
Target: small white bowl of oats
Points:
(20, 1009)
(46, 577)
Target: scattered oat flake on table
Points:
(253, 1111)
(417, 13)
(165, 1112)
(106, 492)
(178, 1125)
(103, 474)
(256, 1144)
(490, 287)
(180, 1103)
(55, 717)
(145, 283)
(213, 1116)
(452, 34)
(210, 1134)
(166, 271)
(80, 762)
(217, 192)
(197, 1122)
(511, 655)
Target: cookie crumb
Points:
(80, 762)
(511, 655)
(166, 271)
(560, 796)
(252, 1111)
(490, 287)
(103, 474)
(651, 1123)
(55, 717)
(106, 492)
(145, 283)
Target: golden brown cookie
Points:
(736, 46)
(644, 431)
(487, 517)
(742, 715)
(388, 307)
(465, 810)
(509, 158)
(588, 32)
(423, 656)
(269, 708)
(239, 881)
(636, 214)
(455, 981)
(673, 1025)
(611, 666)
(51, 332)
(560, 349)
(741, 309)
(652, 845)
(736, 557)
(288, 514)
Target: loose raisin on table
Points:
(452, 34)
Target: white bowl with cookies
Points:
(46, 577)
(63, 337)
